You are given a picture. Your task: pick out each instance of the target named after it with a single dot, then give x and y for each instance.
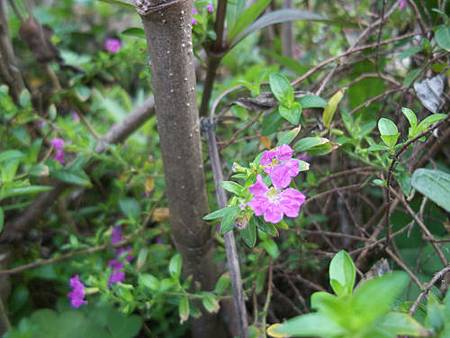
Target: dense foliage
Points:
(331, 122)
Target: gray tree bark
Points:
(169, 35)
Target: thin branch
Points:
(437, 276)
(230, 244)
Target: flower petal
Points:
(273, 214)
(280, 177)
(259, 188)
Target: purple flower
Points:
(116, 234)
(58, 144)
(113, 45)
(210, 8)
(115, 264)
(125, 252)
(194, 12)
(402, 4)
(77, 294)
(75, 117)
(274, 203)
(117, 276)
(280, 166)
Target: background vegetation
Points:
(358, 89)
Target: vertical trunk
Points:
(287, 37)
(169, 36)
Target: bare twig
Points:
(230, 244)
(427, 288)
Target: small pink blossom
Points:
(116, 234)
(125, 253)
(77, 294)
(280, 166)
(117, 276)
(115, 264)
(275, 203)
(113, 45)
(75, 117)
(402, 4)
(58, 144)
(210, 8)
(194, 12)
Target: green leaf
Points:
(374, 297)
(429, 121)
(411, 117)
(411, 77)
(78, 177)
(434, 184)
(183, 309)
(309, 325)
(302, 165)
(249, 234)
(436, 318)
(308, 143)
(82, 92)
(216, 214)
(175, 265)
(409, 52)
(389, 132)
(342, 273)
(401, 324)
(122, 3)
(210, 302)
(291, 114)
(281, 89)
(312, 101)
(442, 37)
(271, 248)
(11, 155)
(286, 137)
(2, 219)
(228, 219)
(266, 227)
(149, 281)
(279, 16)
(136, 32)
(330, 108)
(246, 18)
(232, 187)
(130, 207)
(28, 190)
(222, 284)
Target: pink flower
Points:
(280, 166)
(116, 234)
(194, 12)
(402, 4)
(117, 276)
(126, 253)
(210, 8)
(77, 294)
(75, 117)
(115, 264)
(58, 144)
(113, 45)
(274, 203)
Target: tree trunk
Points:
(169, 35)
